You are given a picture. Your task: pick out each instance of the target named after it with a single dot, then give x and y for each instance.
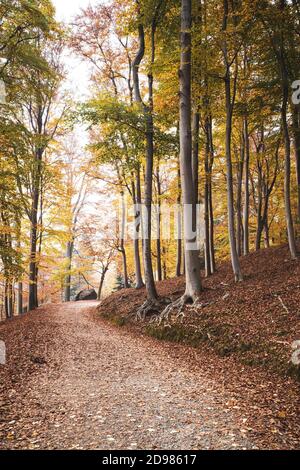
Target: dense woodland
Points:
(190, 102)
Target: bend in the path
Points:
(84, 384)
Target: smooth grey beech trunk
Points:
(210, 263)
(230, 198)
(192, 264)
(101, 286)
(208, 270)
(158, 238)
(195, 153)
(179, 225)
(296, 132)
(230, 98)
(246, 188)
(68, 279)
(282, 59)
(122, 248)
(137, 201)
(287, 173)
(33, 268)
(148, 116)
(20, 298)
(239, 216)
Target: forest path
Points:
(73, 381)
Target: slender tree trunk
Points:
(8, 300)
(149, 277)
(11, 300)
(266, 231)
(296, 132)
(6, 303)
(246, 189)
(230, 199)
(136, 191)
(179, 225)
(148, 268)
(158, 238)
(210, 196)
(239, 232)
(259, 231)
(164, 264)
(20, 284)
(33, 265)
(192, 265)
(20, 298)
(287, 174)
(229, 112)
(211, 230)
(207, 250)
(103, 275)
(125, 270)
(195, 154)
(68, 278)
(287, 143)
(33, 301)
(122, 243)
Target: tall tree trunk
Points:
(259, 231)
(6, 303)
(20, 298)
(239, 217)
(122, 242)
(33, 265)
(20, 284)
(266, 231)
(68, 278)
(11, 300)
(136, 194)
(195, 154)
(229, 112)
(210, 196)
(148, 268)
(8, 299)
(102, 279)
(287, 142)
(246, 188)
(287, 166)
(207, 250)
(211, 230)
(260, 224)
(179, 225)
(296, 132)
(164, 264)
(230, 199)
(149, 277)
(192, 265)
(33, 301)
(158, 238)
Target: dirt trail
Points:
(75, 382)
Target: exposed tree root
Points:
(154, 308)
(150, 306)
(178, 305)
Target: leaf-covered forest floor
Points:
(74, 380)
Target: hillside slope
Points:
(255, 322)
